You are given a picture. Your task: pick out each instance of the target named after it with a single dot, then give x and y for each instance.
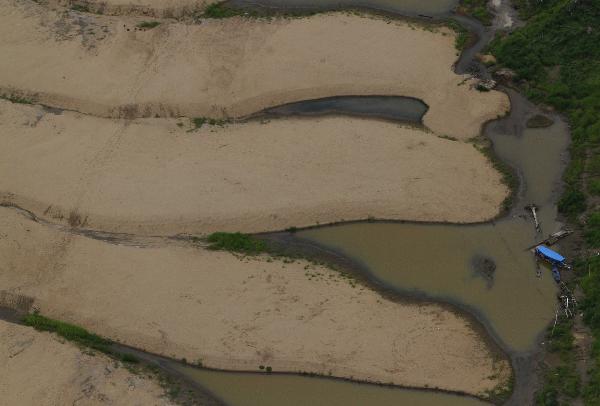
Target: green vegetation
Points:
(13, 98)
(509, 177)
(68, 331)
(463, 36)
(236, 242)
(589, 275)
(477, 9)
(198, 122)
(561, 381)
(220, 10)
(556, 58)
(83, 8)
(148, 24)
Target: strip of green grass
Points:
(236, 242)
(68, 331)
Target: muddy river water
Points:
(484, 269)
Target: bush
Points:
(572, 202)
(236, 242)
(68, 331)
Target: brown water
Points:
(438, 260)
(239, 389)
(432, 8)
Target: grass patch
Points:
(16, 99)
(236, 242)
(509, 177)
(463, 36)
(220, 10)
(68, 331)
(477, 9)
(148, 24)
(198, 122)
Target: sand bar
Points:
(40, 369)
(232, 67)
(150, 176)
(169, 300)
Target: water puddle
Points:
(397, 108)
(485, 268)
(433, 8)
(243, 389)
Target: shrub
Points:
(68, 331)
(236, 242)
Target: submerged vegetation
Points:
(556, 58)
(148, 24)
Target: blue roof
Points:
(548, 253)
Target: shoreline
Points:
(512, 208)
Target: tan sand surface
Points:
(152, 177)
(38, 369)
(237, 313)
(144, 8)
(232, 67)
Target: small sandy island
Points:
(239, 313)
(233, 67)
(151, 176)
(39, 369)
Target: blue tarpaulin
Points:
(550, 255)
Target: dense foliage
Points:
(556, 57)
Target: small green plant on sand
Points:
(236, 242)
(68, 331)
(148, 24)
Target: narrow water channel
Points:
(433, 8)
(243, 389)
(396, 108)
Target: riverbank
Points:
(79, 170)
(27, 356)
(168, 300)
(233, 67)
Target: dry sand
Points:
(232, 313)
(38, 369)
(150, 176)
(143, 8)
(232, 67)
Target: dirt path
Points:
(237, 313)
(233, 67)
(40, 369)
